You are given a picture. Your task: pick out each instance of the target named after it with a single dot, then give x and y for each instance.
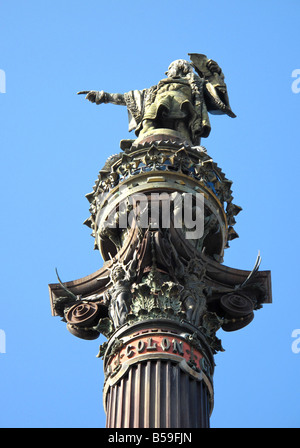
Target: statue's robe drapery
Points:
(177, 99)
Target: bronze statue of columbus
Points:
(180, 102)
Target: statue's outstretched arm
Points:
(99, 97)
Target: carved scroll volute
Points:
(81, 318)
(238, 310)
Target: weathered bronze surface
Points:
(163, 292)
(180, 102)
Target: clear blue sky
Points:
(53, 143)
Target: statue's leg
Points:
(122, 307)
(189, 306)
(113, 313)
(181, 127)
(148, 125)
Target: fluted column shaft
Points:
(157, 379)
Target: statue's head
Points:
(179, 68)
(118, 273)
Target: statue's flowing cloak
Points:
(180, 98)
